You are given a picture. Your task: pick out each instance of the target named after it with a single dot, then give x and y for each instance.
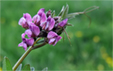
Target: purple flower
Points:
(63, 23)
(53, 38)
(49, 24)
(40, 11)
(28, 17)
(35, 29)
(26, 42)
(36, 20)
(23, 23)
(25, 20)
(29, 33)
(42, 15)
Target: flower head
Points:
(43, 25)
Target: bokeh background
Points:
(91, 46)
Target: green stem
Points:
(24, 55)
(22, 58)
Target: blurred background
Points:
(91, 46)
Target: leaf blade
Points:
(65, 12)
(26, 67)
(6, 64)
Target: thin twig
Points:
(91, 10)
(88, 18)
(67, 36)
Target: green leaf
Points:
(6, 64)
(53, 13)
(65, 12)
(61, 12)
(19, 67)
(26, 68)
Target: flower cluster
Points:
(41, 25)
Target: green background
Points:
(91, 46)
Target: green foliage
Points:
(6, 65)
(26, 67)
(65, 12)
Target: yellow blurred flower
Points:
(103, 52)
(14, 23)
(78, 34)
(96, 39)
(105, 56)
(109, 61)
(100, 67)
(0, 69)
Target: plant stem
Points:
(24, 55)
(22, 58)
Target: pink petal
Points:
(52, 23)
(46, 26)
(63, 23)
(29, 33)
(51, 41)
(22, 44)
(30, 41)
(43, 18)
(49, 24)
(35, 29)
(23, 35)
(27, 16)
(36, 19)
(42, 24)
(41, 10)
(51, 34)
(57, 39)
(22, 21)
